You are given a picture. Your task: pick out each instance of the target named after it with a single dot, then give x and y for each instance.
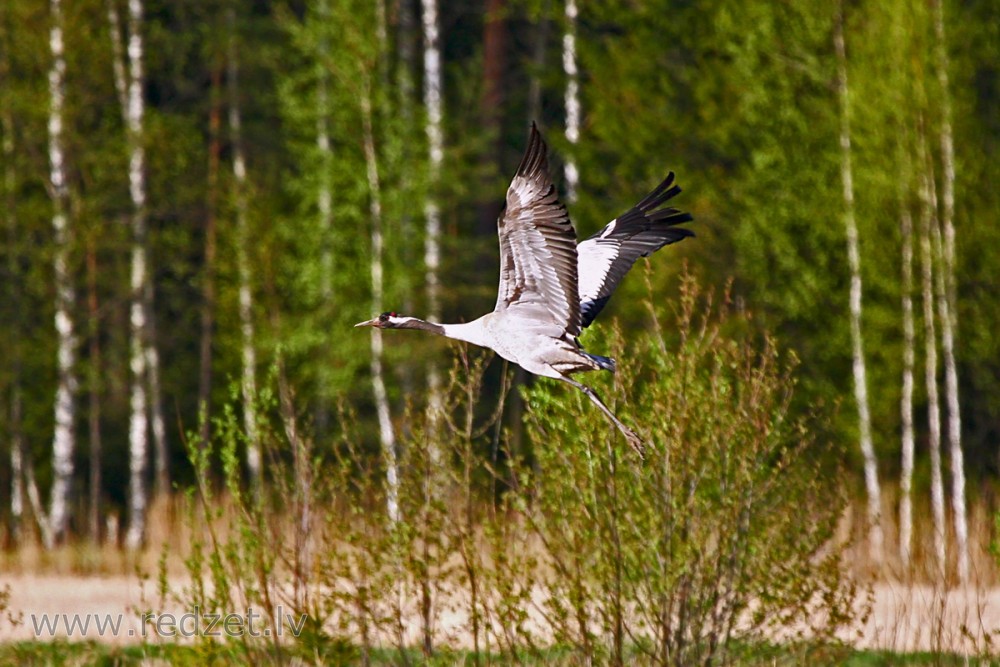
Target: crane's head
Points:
(387, 321)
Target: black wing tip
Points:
(661, 194)
(535, 155)
(669, 216)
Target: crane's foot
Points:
(635, 442)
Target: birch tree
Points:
(572, 98)
(324, 197)
(948, 305)
(906, 398)
(144, 363)
(53, 527)
(432, 213)
(874, 512)
(249, 350)
(386, 435)
(130, 84)
(931, 366)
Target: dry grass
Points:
(923, 570)
(910, 609)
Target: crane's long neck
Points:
(470, 332)
(422, 325)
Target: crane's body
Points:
(550, 287)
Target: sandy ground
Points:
(903, 618)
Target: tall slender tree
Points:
(208, 296)
(572, 98)
(927, 214)
(94, 391)
(432, 213)
(129, 84)
(386, 435)
(906, 397)
(64, 440)
(249, 349)
(140, 288)
(324, 197)
(948, 305)
(13, 278)
(904, 189)
(873, 490)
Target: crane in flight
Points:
(551, 288)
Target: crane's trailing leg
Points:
(633, 440)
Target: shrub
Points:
(714, 547)
(720, 538)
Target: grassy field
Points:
(56, 654)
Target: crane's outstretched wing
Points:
(537, 247)
(607, 256)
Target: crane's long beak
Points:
(368, 323)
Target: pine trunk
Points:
(94, 389)
(386, 435)
(249, 354)
(208, 262)
(64, 440)
(572, 98)
(874, 512)
(13, 295)
(491, 103)
(949, 302)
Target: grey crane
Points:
(551, 288)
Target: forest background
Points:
(196, 193)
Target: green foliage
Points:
(722, 536)
(721, 540)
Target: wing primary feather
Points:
(607, 256)
(538, 258)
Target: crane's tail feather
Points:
(605, 363)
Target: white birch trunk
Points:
(156, 417)
(140, 311)
(906, 399)
(386, 435)
(64, 439)
(118, 58)
(930, 375)
(16, 464)
(572, 98)
(955, 447)
(324, 200)
(432, 214)
(325, 195)
(873, 490)
(948, 301)
(138, 432)
(249, 351)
